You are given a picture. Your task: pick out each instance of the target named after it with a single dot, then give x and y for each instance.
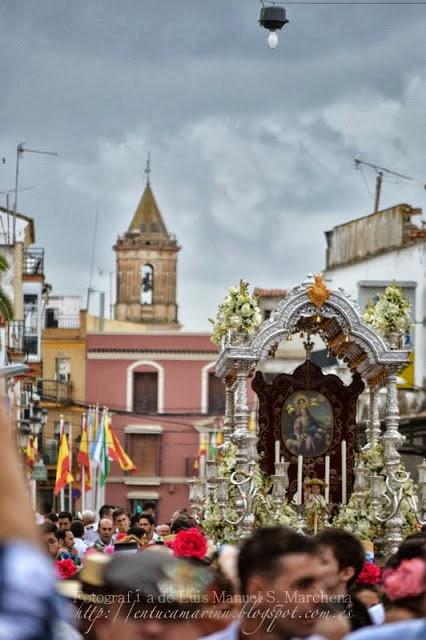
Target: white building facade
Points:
(364, 256)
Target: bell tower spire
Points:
(146, 256)
(148, 170)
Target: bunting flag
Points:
(30, 452)
(63, 475)
(202, 450)
(219, 438)
(83, 457)
(116, 451)
(99, 452)
(213, 446)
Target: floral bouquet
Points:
(189, 543)
(391, 313)
(238, 313)
(65, 569)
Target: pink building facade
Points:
(163, 393)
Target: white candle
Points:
(277, 450)
(343, 471)
(299, 479)
(202, 467)
(327, 480)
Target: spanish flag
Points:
(63, 475)
(83, 455)
(116, 451)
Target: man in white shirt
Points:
(77, 528)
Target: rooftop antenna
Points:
(379, 177)
(90, 288)
(148, 169)
(20, 150)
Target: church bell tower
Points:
(146, 258)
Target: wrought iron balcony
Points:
(33, 263)
(54, 320)
(55, 391)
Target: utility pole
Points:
(20, 149)
(379, 178)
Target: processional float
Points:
(307, 431)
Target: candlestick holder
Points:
(388, 495)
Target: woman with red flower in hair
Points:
(404, 582)
(366, 588)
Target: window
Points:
(139, 502)
(267, 314)
(145, 392)
(145, 454)
(31, 323)
(63, 369)
(216, 402)
(147, 284)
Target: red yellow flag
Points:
(83, 457)
(30, 454)
(63, 475)
(116, 451)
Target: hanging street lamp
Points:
(273, 18)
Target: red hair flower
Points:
(370, 574)
(189, 543)
(406, 581)
(65, 569)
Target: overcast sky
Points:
(252, 149)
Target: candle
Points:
(299, 479)
(343, 471)
(277, 450)
(202, 469)
(327, 480)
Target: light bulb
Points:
(273, 39)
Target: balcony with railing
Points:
(15, 342)
(56, 320)
(33, 262)
(55, 391)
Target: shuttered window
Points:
(145, 392)
(145, 454)
(216, 396)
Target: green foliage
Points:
(6, 307)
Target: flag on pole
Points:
(30, 452)
(63, 475)
(99, 452)
(213, 446)
(115, 450)
(83, 457)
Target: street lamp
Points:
(273, 18)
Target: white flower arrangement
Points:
(238, 313)
(357, 515)
(391, 313)
(214, 524)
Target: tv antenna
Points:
(380, 171)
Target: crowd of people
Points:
(120, 576)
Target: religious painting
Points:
(307, 423)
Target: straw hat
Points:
(91, 579)
(315, 481)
